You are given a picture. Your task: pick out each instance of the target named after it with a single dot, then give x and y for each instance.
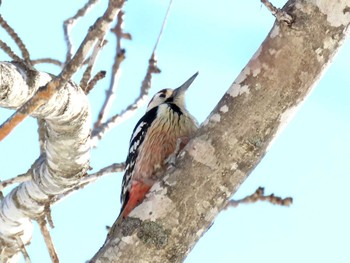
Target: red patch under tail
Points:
(137, 193)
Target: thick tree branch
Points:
(233, 139)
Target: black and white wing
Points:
(137, 138)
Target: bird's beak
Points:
(182, 89)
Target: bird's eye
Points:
(162, 95)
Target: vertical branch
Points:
(119, 58)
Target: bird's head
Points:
(176, 96)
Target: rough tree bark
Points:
(234, 138)
(225, 150)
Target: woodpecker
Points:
(155, 138)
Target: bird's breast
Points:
(160, 142)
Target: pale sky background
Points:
(309, 161)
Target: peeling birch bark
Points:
(234, 138)
(67, 151)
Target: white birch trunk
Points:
(67, 151)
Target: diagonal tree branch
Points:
(16, 38)
(9, 51)
(233, 139)
(48, 240)
(91, 84)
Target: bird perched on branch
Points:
(163, 131)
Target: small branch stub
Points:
(258, 195)
(280, 15)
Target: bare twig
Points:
(15, 180)
(48, 240)
(69, 24)
(47, 60)
(163, 26)
(22, 177)
(86, 180)
(278, 13)
(23, 249)
(127, 113)
(97, 31)
(259, 196)
(100, 75)
(119, 58)
(113, 168)
(91, 61)
(9, 51)
(147, 81)
(99, 131)
(16, 38)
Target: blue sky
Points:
(308, 161)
